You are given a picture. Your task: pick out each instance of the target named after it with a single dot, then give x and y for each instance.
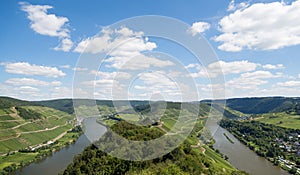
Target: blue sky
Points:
(257, 44)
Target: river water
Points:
(59, 160)
(239, 155)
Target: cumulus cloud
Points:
(233, 6)
(28, 90)
(261, 26)
(223, 68)
(48, 24)
(30, 82)
(198, 27)
(124, 39)
(157, 82)
(124, 48)
(111, 75)
(271, 66)
(289, 84)
(65, 45)
(251, 80)
(65, 66)
(24, 68)
(139, 61)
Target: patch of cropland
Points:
(281, 119)
(28, 132)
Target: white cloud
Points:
(260, 75)
(232, 6)
(261, 26)
(289, 84)
(233, 67)
(140, 87)
(43, 23)
(139, 61)
(251, 80)
(223, 68)
(65, 45)
(121, 41)
(124, 49)
(158, 79)
(48, 24)
(55, 83)
(65, 66)
(27, 90)
(271, 66)
(31, 82)
(198, 27)
(193, 65)
(31, 69)
(157, 82)
(111, 75)
(80, 69)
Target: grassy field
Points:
(16, 158)
(280, 119)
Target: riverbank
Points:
(59, 160)
(267, 141)
(15, 160)
(240, 156)
(228, 138)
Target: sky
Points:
(44, 44)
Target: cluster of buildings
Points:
(241, 118)
(291, 145)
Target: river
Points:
(59, 160)
(241, 157)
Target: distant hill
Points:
(65, 105)
(7, 102)
(260, 105)
(255, 105)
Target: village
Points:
(290, 145)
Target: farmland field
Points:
(21, 133)
(280, 119)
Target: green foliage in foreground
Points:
(182, 160)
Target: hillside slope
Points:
(260, 105)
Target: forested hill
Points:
(185, 159)
(255, 105)
(260, 105)
(66, 105)
(7, 102)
